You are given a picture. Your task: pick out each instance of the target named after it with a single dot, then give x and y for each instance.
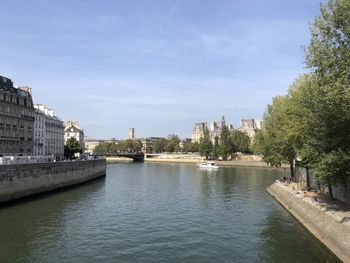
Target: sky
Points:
(158, 66)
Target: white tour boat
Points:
(210, 165)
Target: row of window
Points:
(15, 147)
(16, 110)
(15, 122)
(15, 99)
(15, 134)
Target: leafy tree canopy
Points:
(72, 146)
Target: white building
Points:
(39, 133)
(48, 133)
(72, 129)
(90, 144)
(198, 131)
(147, 143)
(131, 134)
(259, 124)
(251, 126)
(214, 130)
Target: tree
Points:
(335, 165)
(173, 143)
(305, 121)
(278, 145)
(205, 144)
(313, 120)
(159, 145)
(129, 146)
(240, 142)
(216, 148)
(72, 147)
(328, 53)
(328, 56)
(319, 124)
(192, 147)
(106, 148)
(225, 144)
(137, 147)
(258, 146)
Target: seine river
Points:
(159, 213)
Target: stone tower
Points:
(131, 134)
(223, 121)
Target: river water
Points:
(143, 212)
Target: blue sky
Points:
(157, 66)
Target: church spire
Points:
(222, 121)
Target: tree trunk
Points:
(330, 190)
(318, 187)
(291, 169)
(346, 194)
(307, 178)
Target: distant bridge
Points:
(137, 157)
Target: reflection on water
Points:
(282, 235)
(26, 227)
(159, 213)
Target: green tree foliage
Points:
(335, 165)
(313, 120)
(216, 148)
(111, 148)
(305, 120)
(225, 143)
(240, 142)
(72, 147)
(328, 53)
(192, 147)
(159, 145)
(106, 149)
(129, 146)
(278, 142)
(173, 143)
(258, 142)
(205, 144)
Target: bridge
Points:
(137, 157)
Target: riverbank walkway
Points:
(328, 220)
(334, 208)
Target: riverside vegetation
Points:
(225, 147)
(311, 122)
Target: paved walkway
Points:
(334, 208)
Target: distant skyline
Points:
(156, 66)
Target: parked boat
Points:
(209, 165)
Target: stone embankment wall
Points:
(300, 177)
(20, 180)
(331, 230)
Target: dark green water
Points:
(159, 213)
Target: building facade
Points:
(73, 129)
(251, 126)
(214, 129)
(39, 133)
(198, 131)
(90, 144)
(147, 143)
(184, 142)
(131, 134)
(48, 133)
(16, 119)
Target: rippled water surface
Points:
(159, 213)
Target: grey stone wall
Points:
(20, 180)
(300, 176)
(334, 234)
